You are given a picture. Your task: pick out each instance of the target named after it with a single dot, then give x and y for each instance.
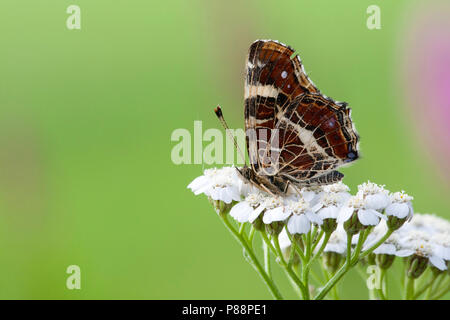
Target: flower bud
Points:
(297, 238)
(274, 228)
(384, 261)
(258, 224)
(415, 266)
(353, 225)
(329, 225)
(371, 259)
(331, 261)
(221, 207)
(395, 223)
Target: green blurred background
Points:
(86, 118)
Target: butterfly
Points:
(295, 135)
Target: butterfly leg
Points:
(266, 189)
(293, 187)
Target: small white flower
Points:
(337, 242)
(430, 223)
(375, 196)
(220, 184)
(419, 243)
(275, 210)
(284, 241)
(367, 215)
(329, 206)
(250, 207)
(441, 241)
(390, 246)
(312, 194)
(301, 216)
(400, 206)
(338, 189)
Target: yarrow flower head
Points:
(218, 184)
(359, 212)
(441, 242)
(430, 223)
(301, 216)
(329, 210)
(399, 210)
(312, 194)
(375, 196)
(248, 209)
(418, 246)
(337, 242)
(338, 189)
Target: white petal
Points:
(368, 218)
(277, 214)
(298, 224)
(317, 207)
(224, 195)
(235, 194)
(309, 196)
(376, 213)
(314, 218)
(443, 252)
(345, 213)
(283, 239)
(438, 262)
(241, 211)
(386, 248)
(376, 201)
(328, 212)
(343, 197)
(404, 253)
(198, 183)
(255, 214)
(399, 210)
(205, 188)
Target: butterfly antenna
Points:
(219, 115)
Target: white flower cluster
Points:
(219, 184)
(426, 235)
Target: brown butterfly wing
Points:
(274, 77)
(313, 135)
(316, 136)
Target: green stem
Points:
(255, 263)
(443, 291)
(339, 274)
(428, 285)
(267, 241)
(251, 235)
(349, 249)
(382, 284)
(296, 247)
(409, 288)
(351, 260)
(356, 254)
(320, 251)
(376, 245)
(291, 257)
(305, 270)
(288, 270)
